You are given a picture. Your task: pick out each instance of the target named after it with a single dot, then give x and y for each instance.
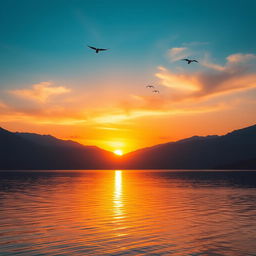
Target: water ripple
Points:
(127, 213)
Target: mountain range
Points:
(29, 151)
(235, 150)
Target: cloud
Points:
(239, 73)
(50, 113)
(178, 53)
(40, 92)
(186, 50)
(181, 81)
(120, 116)
(111, 128)
(214, 88)
(211, 65)
(182, 92)
(239, 58)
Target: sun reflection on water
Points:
(118, 196)
(122, 212)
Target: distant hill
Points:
(235, 150)
(24, 151)
(33, 151)
(48, 140)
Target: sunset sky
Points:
(52, 83)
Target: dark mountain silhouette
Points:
(32, 151)
(235, 150)
(48, 140)
(249, 164)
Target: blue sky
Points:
(47, 39)
(48, 73)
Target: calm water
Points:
(128, 213)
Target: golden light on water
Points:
(118, 196)
(122, 212)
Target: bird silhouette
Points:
(150, 86)
(189, 61)
(97, 50)
(156, 91)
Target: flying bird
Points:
(155, 91)
(150, 86)
(97, 50)
(189, 61)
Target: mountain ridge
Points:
(234, 150)
(197, 152)
(33, 151)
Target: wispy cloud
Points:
(239, 73)
(48, 113)
(182, 92)
(181, 81)
(237, 60)
(177, 53)
(190, 92)
(37, 116)
(240, 58)
(112, 128)
(40, 92)
(186, 50)
(137, 113)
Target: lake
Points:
(154, 212)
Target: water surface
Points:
(128, 213)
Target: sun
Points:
(118, 152)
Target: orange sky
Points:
(124, 114)
(51, 82)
